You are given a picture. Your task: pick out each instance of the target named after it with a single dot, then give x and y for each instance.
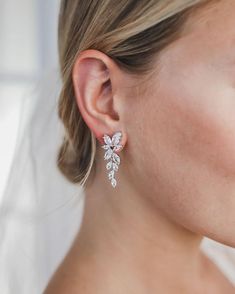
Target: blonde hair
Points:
(128, 31)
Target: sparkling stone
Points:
(111, 174)
(116, 138)
(107, 139)
(117, 147)
(116, 158)
(115, 166)
(113, 182)
(109, 165)
(108, 154)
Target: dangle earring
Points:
(111, 146)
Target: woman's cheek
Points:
(200, 104)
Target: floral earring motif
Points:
(111, 146)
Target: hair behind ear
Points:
(131, 33)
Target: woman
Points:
(153, 83)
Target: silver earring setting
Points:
(111, 146)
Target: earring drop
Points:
(111, 146)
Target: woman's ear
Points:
(93, 87)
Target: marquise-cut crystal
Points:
(114, 182)
(111, 174)
(116, 158)
(108, 154)
(116, 138)
(109, 165)
(117, 147)
(105, 147)
(115, 166)
(107, 140)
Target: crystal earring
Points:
(111, 146)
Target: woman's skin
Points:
(176, 180)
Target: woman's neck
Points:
(128, 244)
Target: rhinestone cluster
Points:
(112, 145)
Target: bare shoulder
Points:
(65, 281)
(70, 277)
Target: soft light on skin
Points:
(189, 133)
(176, 181)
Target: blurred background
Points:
(40, 211)
(28, 52)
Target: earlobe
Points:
(93, 91)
